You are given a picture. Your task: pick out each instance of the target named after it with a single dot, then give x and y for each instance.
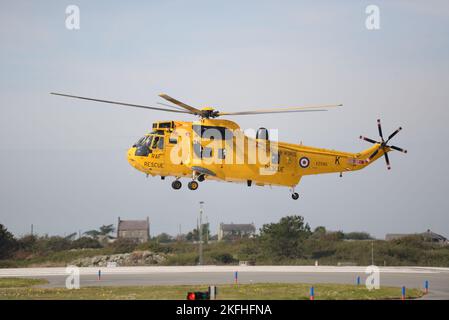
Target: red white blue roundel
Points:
(304, 162)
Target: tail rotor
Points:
(383, 145)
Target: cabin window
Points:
(197, 149)
(165, 125)
(274, 158)
(221, 153)
(173, 140)
(207, 153)
(212, 132)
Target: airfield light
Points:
(191, 296)
(198, 295)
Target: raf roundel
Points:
(304, 162)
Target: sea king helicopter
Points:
(217, 149)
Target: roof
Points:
(428, 234)
(238, 227)
(433, 235)
(129, 225)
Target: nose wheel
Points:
(193, 185)
(176, 184)
(295, 196)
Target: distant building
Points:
(137, 230)
(234, 231)
(428, 235)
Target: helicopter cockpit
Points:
(149, 143)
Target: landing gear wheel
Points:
(176, 184)
(201, 178)
(193, 185)
(295, 196)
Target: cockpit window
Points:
(151, 141)
(155, 142)
(139, 142)
(160, 144)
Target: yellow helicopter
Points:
(217, 149)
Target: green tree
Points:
(7, 243)
(285, 238)
(194, 234)
(92, 233)
(104, 230)
(164, 238)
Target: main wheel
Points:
(176, 184)
(295, 196)
(193, 185)
(201, 178)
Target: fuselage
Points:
(218, 150)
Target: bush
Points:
(86, 243)
(223, 258)
(357, 236)
(27, 243)
(154, 246)
(52, 244)
(122, 245)
(7, 243)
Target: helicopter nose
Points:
(131, 157)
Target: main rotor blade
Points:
(281, 110)
(181, 104)
(394, 133)
(387, 160)
(120, 103)
(398, 149)
(380, 129)
(170, 106)
(368, 139)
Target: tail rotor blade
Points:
(398, 149)
(380, 129)
(368, 139)
(387, 160)
(394, 133)
(373, 154)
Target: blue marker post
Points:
(358, 280)
(99, 274)
(312, 293)
(403, 293)
(236, 276)
(426, 286)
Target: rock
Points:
(136, 258)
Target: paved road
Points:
(411, 277)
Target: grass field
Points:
(19, 288)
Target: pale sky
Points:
(63, 162)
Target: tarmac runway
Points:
(410, 277)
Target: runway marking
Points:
(28, 272)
